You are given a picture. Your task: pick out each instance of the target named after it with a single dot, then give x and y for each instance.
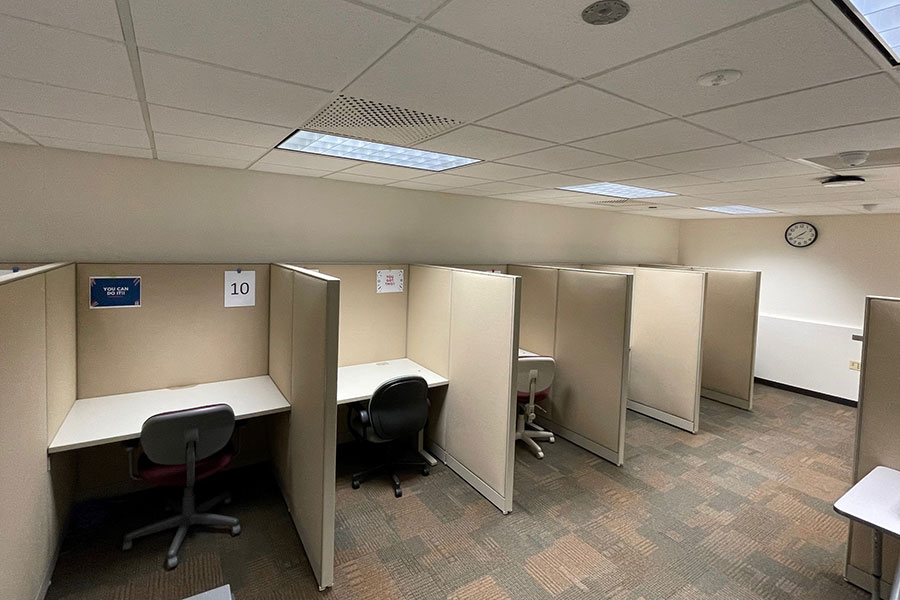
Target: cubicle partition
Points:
(666, 343)
(731, 315)
(582, 319)
(37, 388)
(878, 422)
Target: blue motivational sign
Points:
(115, 292)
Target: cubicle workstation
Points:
(667, 312)
(582, 319)
(7, 268)
(878, 422)
(730, 320)
(457, 329)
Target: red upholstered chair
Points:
(535, 376)
(181, 448)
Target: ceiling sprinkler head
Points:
(869, 207)
(719, 78)
(605, 12)
(854, 158)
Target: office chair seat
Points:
(524, 397)
(176, 475)
(534, 378)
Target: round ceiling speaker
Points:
(605, 12)
(854, 158)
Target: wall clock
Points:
(801, 234)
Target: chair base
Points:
(535, 433)
(190, 515)
(390, 469)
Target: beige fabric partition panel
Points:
(479, 408)
(537, 329)
(281, 317)
(181, 334)
(304, 441)
(591, 352)
(878, 422)
(373, 325)
(61, 348)
(428, 318)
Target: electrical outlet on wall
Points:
(854, 365)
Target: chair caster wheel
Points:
(171, 563)
(552, 440)
(236, 530)
(127, 545)
(355, 484)
(425, 471)
(398, 493)
(540, 455)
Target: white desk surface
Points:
(524, 352)
(105, 419)
(359, 382)
(874, 500)
(220, 593)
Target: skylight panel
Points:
(616, 190)
(736, 209)
(386, 154)
(879, 20)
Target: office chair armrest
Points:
(130, 446)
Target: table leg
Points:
(895, 588)
(876, 564)
(425, 454)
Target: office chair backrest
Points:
(166, 436)
(399, 407)
(542, 368)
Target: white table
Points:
(105, 419)
(356, 383)
(523, 352)
(875, 501)
(220, 593)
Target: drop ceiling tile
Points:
(807, 209)
(619, 171)
(667, 182)
(559, 158)
(450, 181)
(386, 171)
(870, 208)
(494, 171)
(304, 160)
(665, 137)
(359, 178)
(286, 170)
(524, 29)
(530, 197)
(787, 51)
(35, 125)
(782, 168)
(449, 78)
(865, 99)
(554, 194)
(735, 155)
(478, 142)
(17, 95)
(774, 183)
(688, 201)
(191, 124)
(871, 136)
(208, 161)
(704, 190)
(11, 136)
(410, 9)
(186, 84)
(97, 17)
(492, 189)
(573, 113)
(66, 58)
(750, 198)
(415, 185)
(176, 144)
(92, 147)
(689, 214)
(321, 43)
(551, 180)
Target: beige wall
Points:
(808, 295)
(92, 207)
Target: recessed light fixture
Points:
(385, 154)
(879, 20)
(719, 78)
(843, 181)
(616, 190)
(736, 209)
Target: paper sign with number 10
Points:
(240, 288)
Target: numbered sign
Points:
(240, 288)
(388, 281)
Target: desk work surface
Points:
(874, 500)
(105, 419)
(359, 382)
(523, 352)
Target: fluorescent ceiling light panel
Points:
(879, 20)
(342, 147)
(616, 190)
(736, 209)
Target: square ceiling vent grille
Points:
(378, 122)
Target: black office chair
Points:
(397, 411)
(180, 448)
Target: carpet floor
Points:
(740, 511)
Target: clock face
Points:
(801, 235)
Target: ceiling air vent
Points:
(617, 202)
(378, 122)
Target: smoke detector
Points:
(843, 181)
(854, 158)
(605, 12)
(719, 78)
